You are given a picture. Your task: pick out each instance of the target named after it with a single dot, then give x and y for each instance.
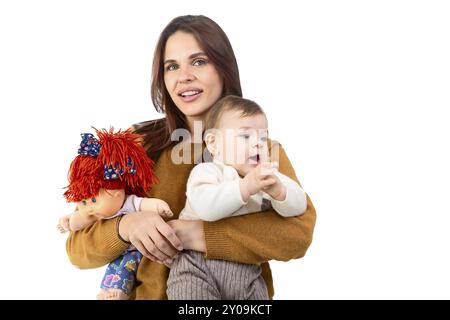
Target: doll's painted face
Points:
(104, 205)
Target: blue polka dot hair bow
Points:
(111, 173)
(89, 145)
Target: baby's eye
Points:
(84, 202)
(94, 200)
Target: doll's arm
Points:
(79, 220)
(63, 224)
(155, 205)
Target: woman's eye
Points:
(263, 139)
(94, 200)
(84, 202)
(199, 62)
(171, 67)
(245, 136)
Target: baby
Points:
(241, 179)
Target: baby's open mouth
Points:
(254, 159)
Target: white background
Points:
(356, 91)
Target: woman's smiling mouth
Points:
(189, 94)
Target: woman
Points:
(194, 66)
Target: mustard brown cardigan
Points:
(254, 238)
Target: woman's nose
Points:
(186, 75)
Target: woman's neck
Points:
(195, 126)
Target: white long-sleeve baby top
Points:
(213, 193)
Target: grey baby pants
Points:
(192, 277)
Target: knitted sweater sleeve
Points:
(262, 236)
(95, 245)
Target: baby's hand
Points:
(277, 190)
(63, 224)
(259, 178)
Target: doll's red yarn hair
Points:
(86, 173)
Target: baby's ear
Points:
(210, 141)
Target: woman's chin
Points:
(192, 109)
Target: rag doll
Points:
(109, 178)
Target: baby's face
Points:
(104, 205)
(242, 142)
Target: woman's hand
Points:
(190, 232)
(151, 235)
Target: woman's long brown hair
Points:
(217, 48)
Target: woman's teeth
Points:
(189, 93)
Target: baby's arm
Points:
(291, 201)
(210, 198)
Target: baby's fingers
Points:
(267, 182)
(268, 169)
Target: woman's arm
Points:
(259, 237)
(99, 244)
(95, 245)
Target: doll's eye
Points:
(94, 200)
(84, 202)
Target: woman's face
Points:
(190, 78)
